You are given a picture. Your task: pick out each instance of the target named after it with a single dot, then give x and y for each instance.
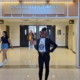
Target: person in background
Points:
(34, 36)
(4, 46)
(43, 47)
(40, 34)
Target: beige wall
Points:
(0, 9)
(0, 36)
(2, 28)
(60, 39)
(71, 7)
(74, 36)
(15, 32)
(70, 37)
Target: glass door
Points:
(33, 30)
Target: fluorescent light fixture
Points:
(11, 1)
(34, 1)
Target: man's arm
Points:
(54, 44)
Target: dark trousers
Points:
(44, 59)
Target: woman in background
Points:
(4, 46)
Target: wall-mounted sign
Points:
(26, 8)
(58, 32)
(71, 21)
(1, 21)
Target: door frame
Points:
(20, 35)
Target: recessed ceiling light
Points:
(11, 1)
(34, 1)
(25, 20)
(47, 20)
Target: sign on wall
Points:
(71, 21)
(26, 8)
(1, 21)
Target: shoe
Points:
(7, 60)
(2, 64)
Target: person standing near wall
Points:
(43, 47)
(4, 46)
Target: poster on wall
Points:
(58, 32)
(1, 21)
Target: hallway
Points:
(29, 57)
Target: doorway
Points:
(24, 36)
(33, 30)
(51, 32)
(66, 36)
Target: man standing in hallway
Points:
(43, 47)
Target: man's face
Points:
(44, 34)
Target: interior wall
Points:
(72, 6)
(0, 9)
(0, 36)
(70, 37)
(74, 34)
(2, 28)
(15, 32)
(60, 39)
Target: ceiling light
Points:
(25, 20)
(47, 20)
(47, 1)
(11, 1)
(34, 1)
(21, 1)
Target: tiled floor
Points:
(32, 74)
(23, 65)
(26, 56)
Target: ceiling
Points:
(36, 20)
(34, 0)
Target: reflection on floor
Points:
(23, 65)
(32, 74)
(25, 57)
